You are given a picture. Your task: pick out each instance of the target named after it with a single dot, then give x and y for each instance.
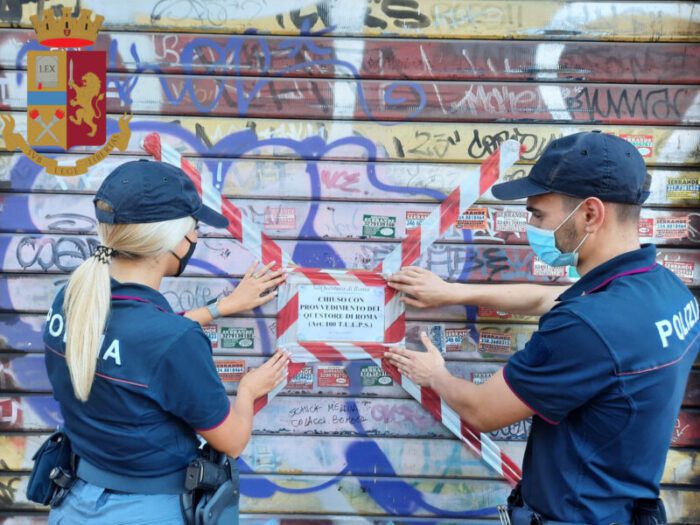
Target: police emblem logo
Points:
(66, 93)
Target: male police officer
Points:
(605, 372)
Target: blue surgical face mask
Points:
(544, 244)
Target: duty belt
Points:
(173, 483)
(517, 512)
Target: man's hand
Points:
(248, 293)
(423, 368)
(426, 289)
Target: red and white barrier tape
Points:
(241, 228)
(411, 249)
(443, 217)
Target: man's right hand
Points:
(426, 290)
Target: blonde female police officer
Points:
(134, 380)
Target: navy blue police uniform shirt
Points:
(605, 374)
(155, 382)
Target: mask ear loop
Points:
(190, 246)
(190, 243)
(569, 216)
(575, 251)
(581, 243)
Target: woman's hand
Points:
(266, 377)
(248, 293)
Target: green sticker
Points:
(232, 337)
(378, 226)
(374, 376)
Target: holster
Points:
(213, 490)
(515, 499)
(53, 474)
(648, 512)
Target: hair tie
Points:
(104, 254)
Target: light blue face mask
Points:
(544, 244)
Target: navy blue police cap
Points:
(587, 164)
(143, 191)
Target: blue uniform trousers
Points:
(88, 504)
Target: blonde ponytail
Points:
(86, 307)
(88, 294)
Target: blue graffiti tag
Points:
(233, 48)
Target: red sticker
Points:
(230, 371)
(643, 143)
(333, 376)
(646, 227)
(11, 413)
(473, 219)
(495, 342)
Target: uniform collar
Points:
(140, 293)
(628, 263)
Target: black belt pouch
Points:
(55, 453)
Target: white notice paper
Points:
(352, 313)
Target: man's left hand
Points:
(420, 367)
